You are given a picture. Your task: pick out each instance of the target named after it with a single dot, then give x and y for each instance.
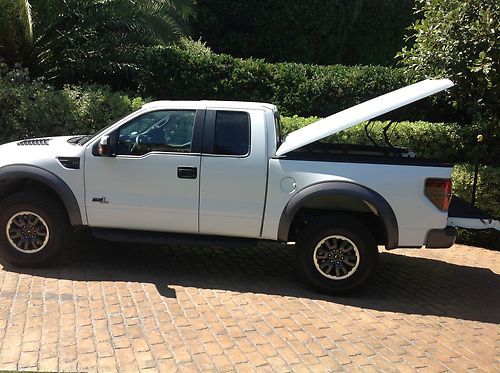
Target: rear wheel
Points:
(336, 254)
(33, 228)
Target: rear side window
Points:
(232, 133)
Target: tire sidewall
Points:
(358, 234)
(48, 211)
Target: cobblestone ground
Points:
(126, 308)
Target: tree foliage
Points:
(460, 39)
(16, 30)
(32, 108)
(378, 32)
(81, 39)
(316, 31)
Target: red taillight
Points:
(439, 192)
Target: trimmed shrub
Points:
(324, 90)
(193, 71)
(487, 198)
(488, 191)
(447, 142)
(33, 109)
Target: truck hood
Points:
(361, 112)
(34, 151)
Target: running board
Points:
(160, 238)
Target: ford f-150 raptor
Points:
(219, 171)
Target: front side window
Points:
(232, 133)
(158, 131)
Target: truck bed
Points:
(355, 153)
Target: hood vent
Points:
(35, 142)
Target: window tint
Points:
(232, 133)
(161, 131)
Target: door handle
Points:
(187, 172)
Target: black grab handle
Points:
(187, 172)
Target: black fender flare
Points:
(52, 181)
(342, 189)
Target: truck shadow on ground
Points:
(402, 284)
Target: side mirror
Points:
(105, 147)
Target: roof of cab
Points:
(208, 104)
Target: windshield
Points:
(82, 140)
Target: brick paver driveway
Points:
(129, 307)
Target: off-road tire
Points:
(358, 241)
(51, 220)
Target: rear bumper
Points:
(441, 238)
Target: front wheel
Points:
(336, 254)
(32, 229)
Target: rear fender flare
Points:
(341, 189)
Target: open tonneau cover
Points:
(359, 113)
(461, 214)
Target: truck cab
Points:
(185, 167)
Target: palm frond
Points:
(16, 30)
(82, 36)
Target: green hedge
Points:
(487, 198)
(346, 32)
(447, 142)
(193, 71)
(488, 192)
(35, 109)
(32, 109)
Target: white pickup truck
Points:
(215, 172)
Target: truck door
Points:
(233, 173)
(152, 183)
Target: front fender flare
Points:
(51, 180)
(342, 189)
